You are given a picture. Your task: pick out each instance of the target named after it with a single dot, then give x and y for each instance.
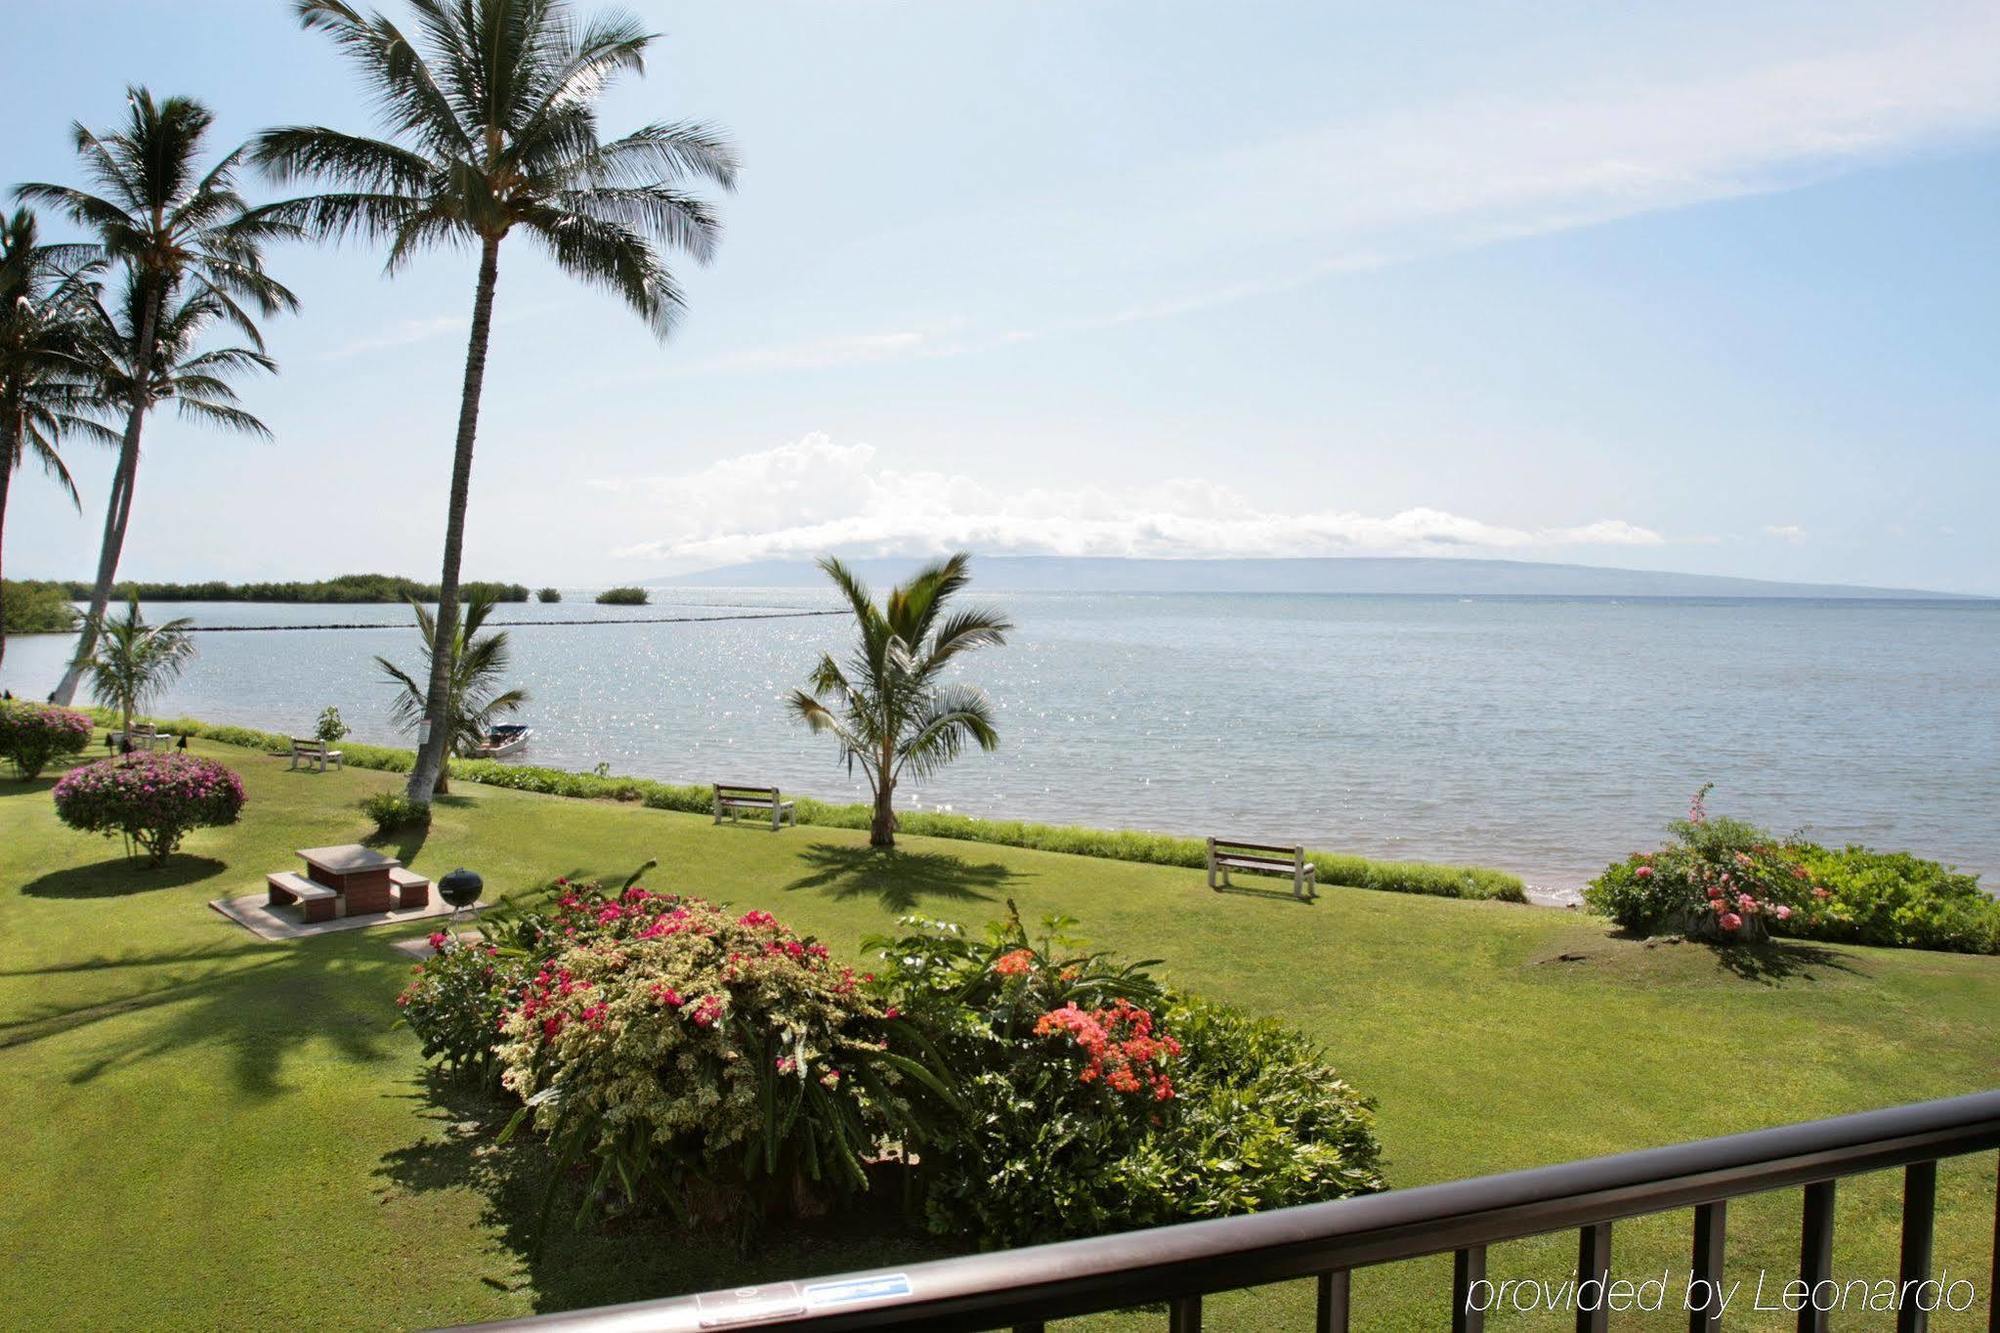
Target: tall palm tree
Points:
(473, 697)
(132, 662)
(176, 229)
(492, 128)
(45, 292)
(891, 707)
(179, 366)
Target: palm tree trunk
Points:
(882, 831)
(118, 513)
(9, 443)
(429, 767)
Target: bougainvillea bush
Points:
(1096, 1101)
(31, 735)
(456, 998)
(711, 1063)
(154, 800)
(1726, 881)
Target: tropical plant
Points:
(331, 727)
(132, 662)
(392, 812)
(549, 595)
(152, 799)
(473, 667)
(36, 607)
(493, 128)
(31, 735)
(44, 394)
(623, 597)
(184, 237)
(456, 997)
(891, 707)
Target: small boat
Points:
(505, 739)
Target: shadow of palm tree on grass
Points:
(632, 1258)
(901, 880)
(120, 876)
(1774, 961)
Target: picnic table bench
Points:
(1261, 858)
(734, 798)
(314, 753)
(348, 880)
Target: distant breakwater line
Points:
(527, 624)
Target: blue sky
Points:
(1691, 286)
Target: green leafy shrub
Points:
(28, 607)
(623, 597)
(1093, 1101)
(1894, 898)
(549, 595)
(455, 999)
(343, 589)
(719, 1066)
(392, 811)
(331, 727)
(32, 735)
(153, 799)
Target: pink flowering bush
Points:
(1717, 879)
(33, 734)
(455, 999)
(154, 800)
(710, 1062)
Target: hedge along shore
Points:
(1359, 872)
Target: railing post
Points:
(1333, 1293)
(1468, 1267)
(1711, 1222)
(1816, 1253)
(1184, 1315)
(1993, 1287)
(1919, 1211)
(1593, 1265)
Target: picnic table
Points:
(349, 880)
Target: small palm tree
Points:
(890, 707)
(132, 662)
(492, 130)
(45, 292)
(472, 673)
(177, 230)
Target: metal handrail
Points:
(1179, 1264)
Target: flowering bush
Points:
(1718, 879)
(718, 1064)
(152, 799)
(455, 999)
(32, 734)
(1094, 1101)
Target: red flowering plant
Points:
(1716, 879)
(154, 800)
(1086, 1107)
(455, 999)
(707, 1061)
(33, 734)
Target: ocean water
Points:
(1544, 736)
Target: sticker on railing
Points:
(821, 1294)
(748, 1305)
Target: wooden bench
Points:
(1261, 858)
(764, 800)
(315, 754)
(143, 736)
(316, 901)
(412, 889)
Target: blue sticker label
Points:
(858, 1289)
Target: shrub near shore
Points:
(1359, 872)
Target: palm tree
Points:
(176, 229)
(890, 707)
(492, 128)
(179, 368)
(473, 697)
(45, 291)
(132, 662)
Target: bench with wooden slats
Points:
(1261, 858)
(734, 798)
(316, 901)
(314, 753)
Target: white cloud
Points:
(815, 495)
(400, 334)
(1787, 532)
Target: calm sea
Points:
(1544, 736)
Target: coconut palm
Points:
(132, 662)
(179, 367)
(492, 129)
(891, 707)
(45, 292)
(473, 697)
(177, 230)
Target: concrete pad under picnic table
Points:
(255, 914)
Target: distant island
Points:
(342, 588)
(1376, 575)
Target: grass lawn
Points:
(208, 1130)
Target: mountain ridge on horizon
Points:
(1380, 575)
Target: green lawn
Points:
(207, 1130)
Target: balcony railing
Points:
(1178, 1265)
